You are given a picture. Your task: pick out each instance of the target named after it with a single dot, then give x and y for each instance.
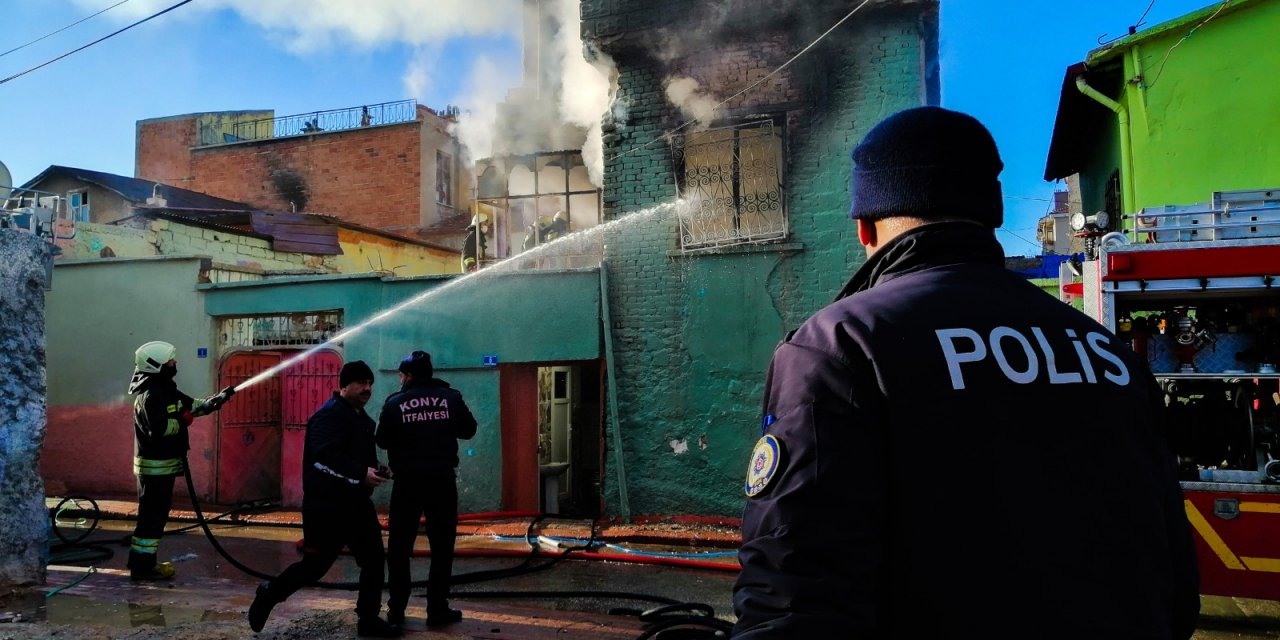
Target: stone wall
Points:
(24, 521)
(693, 332)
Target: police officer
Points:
(420, 427)
(948, 452)
(161, 415)
(339, 472)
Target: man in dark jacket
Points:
(948, 452)
(161, 415)
(339, 472)
(420, 427)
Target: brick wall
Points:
(693, 333)
(370, 176)
(161, 152)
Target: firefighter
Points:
(339, 473)
(922, 470)
(474, 245)
(420, 427)
(161, 415)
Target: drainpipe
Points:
(607, 318)
(1126, 152)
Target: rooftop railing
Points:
(302, 124)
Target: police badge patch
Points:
(766, 461)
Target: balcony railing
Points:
(316, 122)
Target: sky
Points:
(1001, 60)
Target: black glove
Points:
(214, 402)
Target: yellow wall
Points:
(366, 252)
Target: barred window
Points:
(732, 176)
(288, 329)
(444, 178)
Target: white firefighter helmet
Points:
(153, 355)
(479, 219)
(562, 216)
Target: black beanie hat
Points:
(354, 371)
(418, 365)
(928, 162)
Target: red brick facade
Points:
(371, 176)
(162, 151)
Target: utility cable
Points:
(52, 33)
(82, 48)
(1183, 39)
(750, 86)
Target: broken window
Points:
(444, 178)
(732, 178)
(79, 204)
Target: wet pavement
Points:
(209, 597)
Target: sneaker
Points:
(160, 571)
(376, 627)
(261, 608)
(441, 617)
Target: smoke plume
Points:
(694, 104)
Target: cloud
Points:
(418, 75)
(310, 25)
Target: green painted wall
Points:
(693, 334)
(520, 317)
(100, 311)
(1201, 119)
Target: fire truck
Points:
(1195, 289)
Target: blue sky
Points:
(1002, 61)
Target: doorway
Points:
(262, 431)
(553, 438)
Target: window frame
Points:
(710, 208)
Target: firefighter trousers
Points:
(436, 496)
(325, 532)
(155, 498)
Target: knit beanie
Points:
(354, 371)
(418, 365)
(928, 162)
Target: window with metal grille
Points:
(288, 329)
(732, 178)
(444, 178)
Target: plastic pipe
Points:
(1127, 186)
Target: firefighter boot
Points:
(442, 615)
(260, 610)
(375, 627)
(159, 571)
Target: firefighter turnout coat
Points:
(161, 415)
(947, 451)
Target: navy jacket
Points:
(420, 426)
(337, 454)
(961, 456)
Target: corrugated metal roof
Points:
(137, 190)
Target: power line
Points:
(1034, 244)
(52, 33)
(109, 35)
(752, 85)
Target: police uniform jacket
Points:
(950, 452)
(161, 415)
(337, 454)
(420, 426)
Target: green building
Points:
(1174, 113)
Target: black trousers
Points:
(155, 498)
(436, 496)
(325, 532)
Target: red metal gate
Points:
(249, 432)
(307, 385)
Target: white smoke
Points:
(687, 95)
(417, 76)
(486, 88)
(586, 88)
